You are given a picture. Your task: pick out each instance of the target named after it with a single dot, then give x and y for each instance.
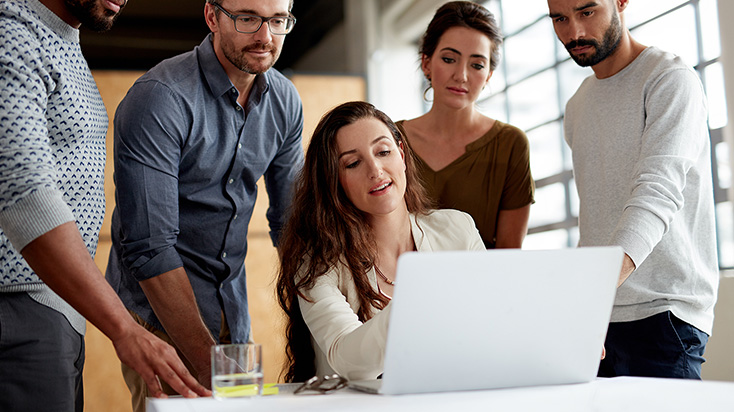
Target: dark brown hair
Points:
(325, 229)
(219, 2)
(463, 14)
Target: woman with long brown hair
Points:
(357, 206)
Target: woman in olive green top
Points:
(467, 160)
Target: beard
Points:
(240, 59)
(92, 15)
(610, 42)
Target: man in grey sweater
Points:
(52, 156)
(641, 156)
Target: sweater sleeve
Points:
(674, 137)
(30, 202)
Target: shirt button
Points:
(224, 255)
(238, 108)
(235, 217)
(239, 145)
(231, 181)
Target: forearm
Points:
(60, 258)
(628, 266)
(173, 301)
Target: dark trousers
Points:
(659, 346)
(41, 358)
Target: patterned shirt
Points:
(53, 125)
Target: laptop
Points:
(471, 320)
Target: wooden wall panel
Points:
(104, 388)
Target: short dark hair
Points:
(219, 2)
(463, 14)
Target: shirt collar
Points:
(217, 78)
(53, 21)
(422, 244)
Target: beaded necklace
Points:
(382, 275)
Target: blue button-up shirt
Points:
(187, 159)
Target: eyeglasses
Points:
(322, 384)
(250, 23)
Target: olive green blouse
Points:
(493, 175)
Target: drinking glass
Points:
(237, 370)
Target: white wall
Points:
(391, 51)
(726, 14)
(719, 359)
(719, 355)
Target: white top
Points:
(354, 349)
(641, 157)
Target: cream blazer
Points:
(342, 343)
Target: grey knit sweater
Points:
(641, 156)
(52, 143)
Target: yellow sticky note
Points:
(245, 390)
(270, 389)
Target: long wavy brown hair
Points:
(325, 229)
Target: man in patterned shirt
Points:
(52, 153)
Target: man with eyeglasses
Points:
(192, 138)
(53, 127)
(641, 156)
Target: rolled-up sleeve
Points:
(147, 153)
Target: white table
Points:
(618, 395)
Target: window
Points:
(536, 78)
